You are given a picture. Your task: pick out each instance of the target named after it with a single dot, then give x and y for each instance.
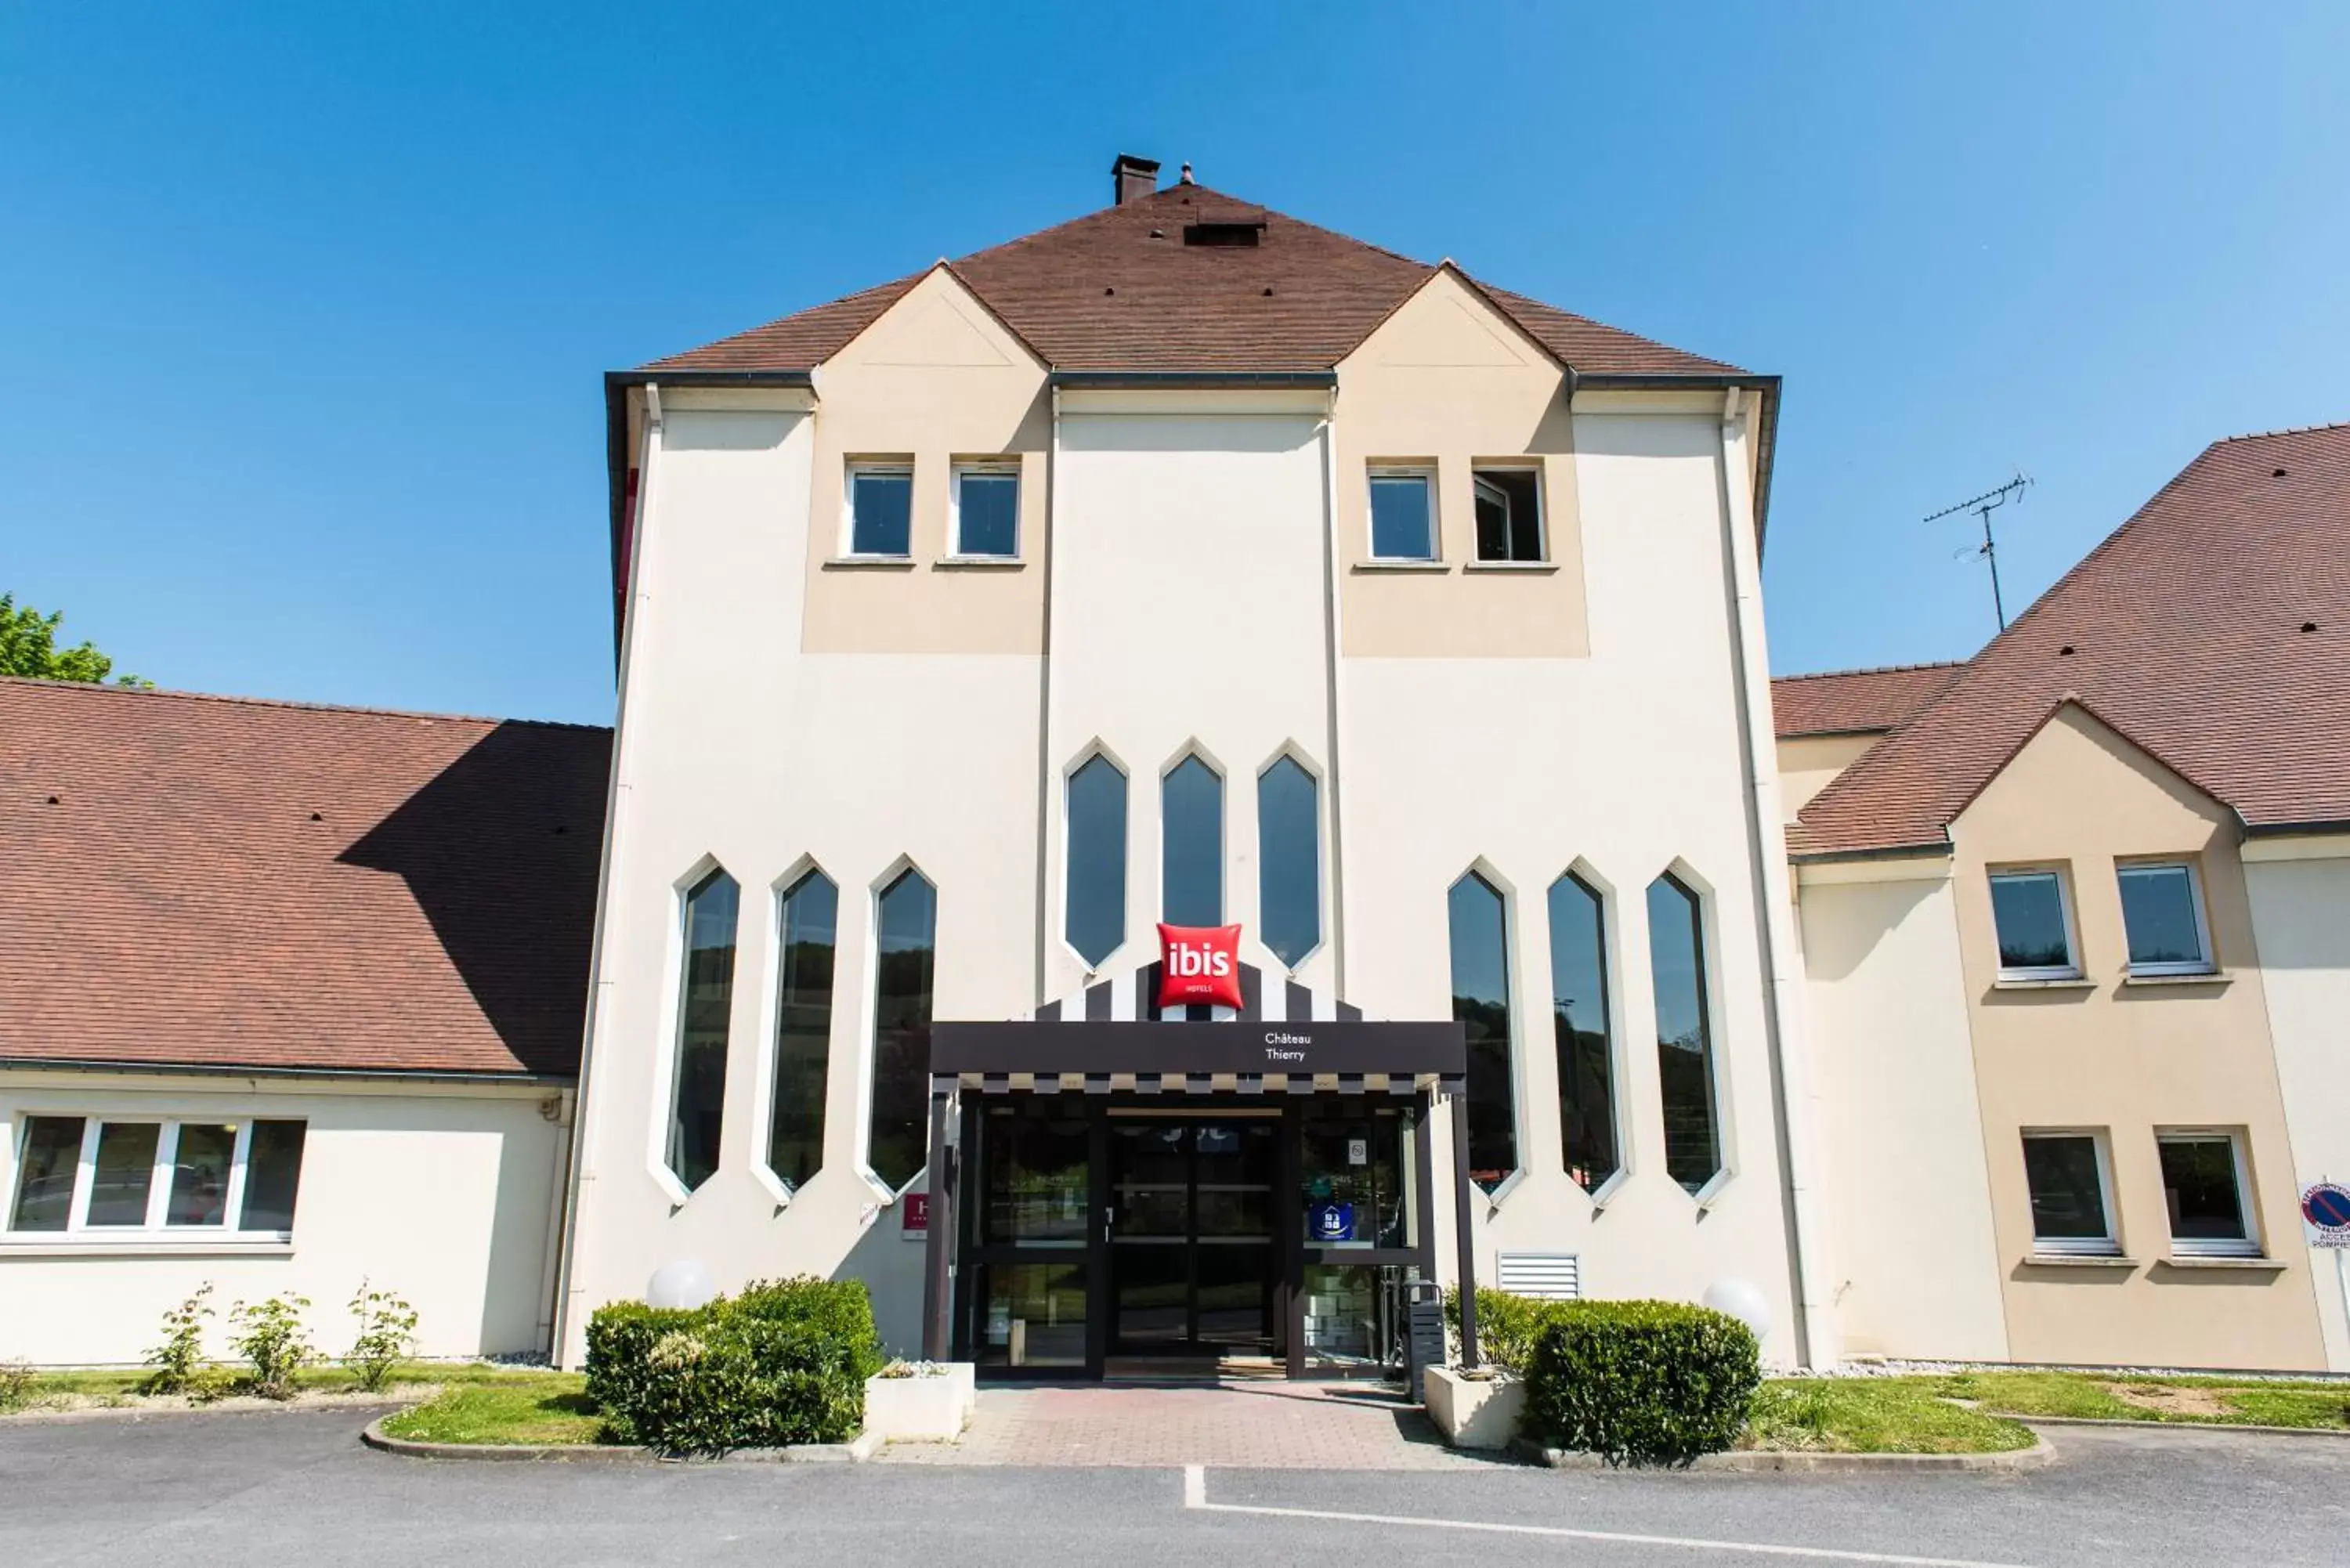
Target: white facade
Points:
(445, 1195)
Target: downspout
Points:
(1778, 948)
(583, 1120)
(1048, 770)
(1336, 692)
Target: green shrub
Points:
(1506, 1324)
(181, 1358)
(784, 1362)
(387, 1334)
(271, 1338)
(1644, 1382)
(16, 1384)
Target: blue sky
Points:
(303, 308)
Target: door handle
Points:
(1110, 1216)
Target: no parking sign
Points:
(2326, 1208)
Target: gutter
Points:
(1192, 380)
(2294, 829)
(1766, 442)
(1883, 852)
(230, 1070)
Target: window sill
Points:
(2199, 977)
(146, 1245)
(977, 564)
(2250, 1265)
(2053, 982)
(1379, 566)
(2079, 1260)
(870, 564)
(1537, 567)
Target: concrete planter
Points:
(921, 1410)
(1475, 1412)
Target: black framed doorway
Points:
(1192, 1218)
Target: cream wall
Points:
(1918, 1267)
(443, 1194)
(2128, 1058)
(1809, 764)
(2299, 889)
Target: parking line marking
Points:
(1195, 1495)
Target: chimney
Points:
(1136, 177)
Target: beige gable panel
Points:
(935, 378)
(1447, 382)
(2128, 1059)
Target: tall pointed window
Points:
(898, 1137)
(809, 915)
(698, 1079)
(1095, 922)
(1578, 983)
(1480, 1000)
(1684, 1034)
(1192, 845)
(1289, 860)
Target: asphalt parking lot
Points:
(255, 1489)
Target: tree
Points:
(28, 647)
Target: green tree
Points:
(28, 647)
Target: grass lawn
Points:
(1873, 1415)
(124, 1385)
(2123, 1398)
(534, 1408)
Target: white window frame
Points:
(1426, 474)
(2206, 963)
(857, 468)
(1479, 483)
(79, 1231)
(2070, 968)
(2110, 1245)
(996, 468)
(2247, 1215)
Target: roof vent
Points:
(2309, 626)
(2065, 651)
(1133, 178)
(2279, 473)
(1226, 226)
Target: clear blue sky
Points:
(303, 308)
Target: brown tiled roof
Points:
(2184, 631)
(1855, 702)
(1119, 290)
(197, 881)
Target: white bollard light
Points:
(1742, 1300)
(684, 1283)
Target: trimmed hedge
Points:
(1643, 1381)
(784, 1362)
(1506, 1324)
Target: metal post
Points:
(1464, 1245)
(939, 1244)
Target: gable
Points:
(937, 324)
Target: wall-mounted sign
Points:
(914, 1216)
(2326, 1207)
(1331, 1222)
(1358, 1151)
(1199, 963)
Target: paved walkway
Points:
(1248, 1424)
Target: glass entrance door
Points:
(1192, 1253)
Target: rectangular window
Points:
(2033, 919)
(74, 1174)
(2162, 910)
(1509, 513)
(2203, 1190)
(1403, 514)
(986, 511)
(2066, 1175)
(881, 510)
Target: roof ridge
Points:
(151, 692)
(1874, 669)
(2285, 430)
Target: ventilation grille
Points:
(1550, 1276)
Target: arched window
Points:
(1480, 1000)
(898, 1139)
(808, 917)
(1684, 1035)
(697, 1098)
(1578, 984)
(1095, 922)
(1289, 860)
(1192, 845)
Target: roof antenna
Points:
(1983, 505)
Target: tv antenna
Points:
(1983, 505)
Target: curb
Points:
(1752, 1463)
(861, 1447)
(2177, 1426)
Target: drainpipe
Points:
(584, 1149)
(1778, 949)
(1336, 694)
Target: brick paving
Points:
(1262, 1425)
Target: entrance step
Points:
(1190, 1368)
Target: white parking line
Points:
(1195, 1495)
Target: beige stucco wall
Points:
(2129, 1059)
(1808, 764)
(1446, 380)
(2300, 890)
(1910, 1195)
(444, 1194)
(935, 378)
